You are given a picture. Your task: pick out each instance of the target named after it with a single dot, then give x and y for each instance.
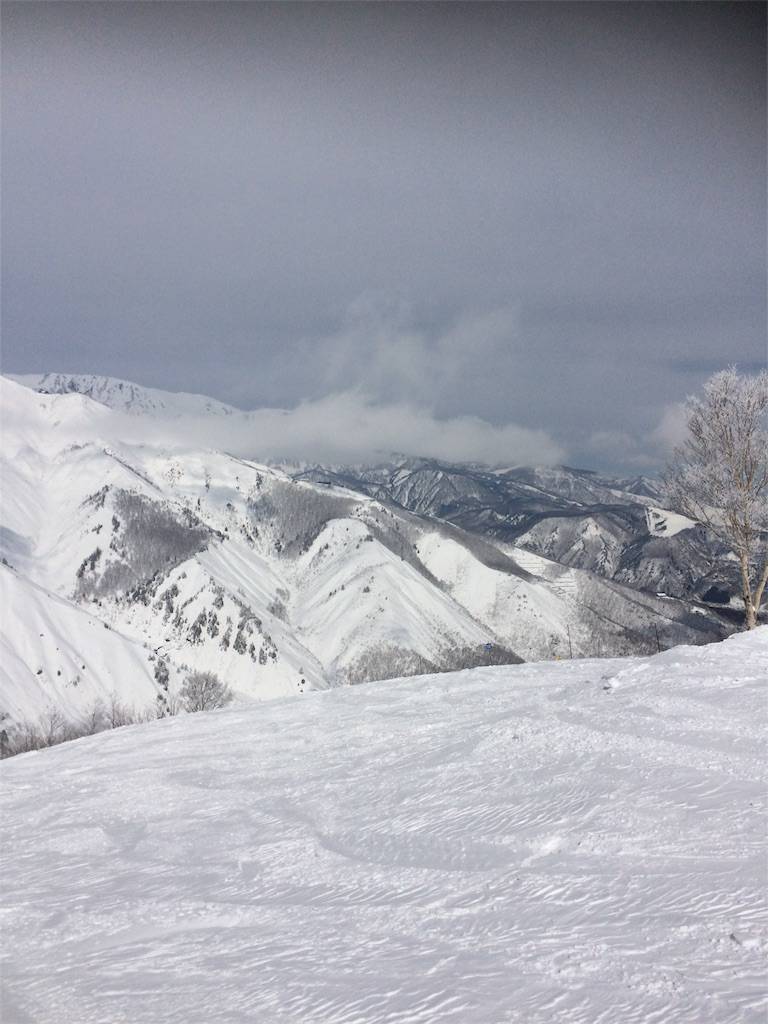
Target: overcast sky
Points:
(534, 227)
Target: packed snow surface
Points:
(572, 842)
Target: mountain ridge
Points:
(615, 527)
(212, 562)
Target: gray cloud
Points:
(351, 427)
(549, 215)
(346, 427)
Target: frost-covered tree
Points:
(719, 475)
(204, 691)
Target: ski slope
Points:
(580, 842)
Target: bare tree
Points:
(26, 736)
(204, 691)
(167, 705)
(719, 475)
(95, 719)
(52, 724)
(119, 714)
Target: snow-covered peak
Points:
(274, 583)
(46, 422)
(125, 396)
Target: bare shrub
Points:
(296, 513)
(277, 608)
(173, 704)
(390, 662)
(152, 539)
(168, 705)
(455, 658)
(26, 736)
(204, 691)
(52, 727)
(95, 719)
(120, 714)
(387, 662)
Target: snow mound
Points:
(571, 842)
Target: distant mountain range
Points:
(614, 528)
(127, 563)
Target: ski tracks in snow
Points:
(579, 842)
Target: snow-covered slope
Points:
(663, 523)
(202, 560)
(562, 843)
(205, 561)
(612, 527)
(125, 396)
(55, 655)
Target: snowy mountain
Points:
(194, 559)
(612, 527)
(573, 842)
(615, 528)
(205, 560)
(125, 396)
